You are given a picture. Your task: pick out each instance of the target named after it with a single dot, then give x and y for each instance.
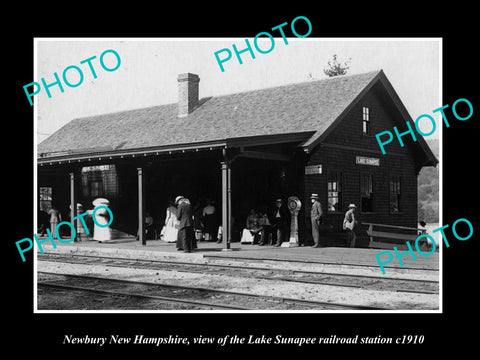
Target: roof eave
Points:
(210, 145)
(292, 137)
(100, 155)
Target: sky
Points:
(147, 75)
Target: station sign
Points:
(96, 168)
(313, 169)
(362, 160)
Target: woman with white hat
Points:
(349, 224)
(102, 218)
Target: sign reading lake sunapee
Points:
(361, 160)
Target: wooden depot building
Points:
(243, 150)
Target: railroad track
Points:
(300, 276)
(313, 262)
(194, 297)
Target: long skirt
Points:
(102, 233)
(170, 234)
(186, 239)
(247, 237)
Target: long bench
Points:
(423, 243)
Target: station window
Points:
(99, 181)
(45, 195)
(334, 188)
(395, 194)
(366, 120)
(96, 188)
(366, 192)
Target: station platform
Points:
(160, 250)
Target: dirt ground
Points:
(67, 300)
(326, 293)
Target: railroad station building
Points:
(243, 150)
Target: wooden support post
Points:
(229, 207)
(73, 201)
(226, 206)
(141, 207)
(370, 230)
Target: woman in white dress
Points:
(171, 224)
(102, 217)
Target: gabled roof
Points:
(428, 158)
(294, 108)
(306, 109)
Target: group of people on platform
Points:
(316, 217)
(85, 227)
(187, 226)
(267, 228)
(264, 229)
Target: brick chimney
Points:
(187, 93)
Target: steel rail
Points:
(163, 299)
(315, 262)
(226, 292)
(116, 262)
(243, 267)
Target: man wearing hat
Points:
(280, 222)
(186, 234)
(349, 225)
(316, 216)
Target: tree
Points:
(428, 189)
(335, 68)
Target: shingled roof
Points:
(294, 108)
(308, 108)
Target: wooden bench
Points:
(423, 243)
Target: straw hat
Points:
(178, 198)
(314, 196)
(100, 201)
(352, 206)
